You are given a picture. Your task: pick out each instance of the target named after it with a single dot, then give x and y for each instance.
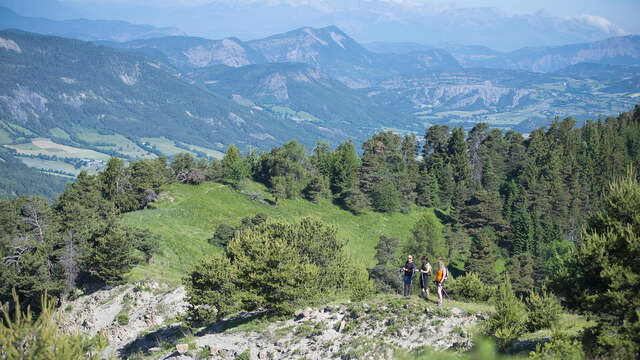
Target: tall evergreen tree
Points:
(426, 239)
(344, 170)
(481, 260)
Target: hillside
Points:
(188, 215)
(187, 53)
(83, 29)
(620, 50)
(84, 102)
(300, 93)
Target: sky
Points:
(515, 23)
(623, 13)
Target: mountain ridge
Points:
(83, 29)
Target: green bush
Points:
(508, 322)
(122, 319)
(560, 347)
(274, 266)
(210, 290)
(543, 311)
(222, 236)
(24, 337)
(470, 288)
(244, 355)
(360, 285)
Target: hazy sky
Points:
(623, 13)
(562, 21)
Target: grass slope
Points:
(188, 215)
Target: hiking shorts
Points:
(424, 282)
(407, 279)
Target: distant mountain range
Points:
(62, 88)
(418, 21)
(621, 50)
(83, 29)
(162, 95)
(328, 48)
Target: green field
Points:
(117, 143)
(55, 165)
(188, 215)
(58, 133)
(165, 146)
(44, 146)
(210, 153)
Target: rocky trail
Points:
(139, 320)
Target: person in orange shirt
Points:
(441, 276)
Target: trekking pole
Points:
(445, 292)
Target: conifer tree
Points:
(426, 239)
(523, 231)
(457, 151)
(344, 170)
(481, 260)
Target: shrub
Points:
(122, 319)
(244, 355)
(194, 177)
(314, 189)
(360, 286)
(274, 266)
(210, 291)
(470, 288)
(222, 236)
(543, 311)
(507, 323)
(560, 347)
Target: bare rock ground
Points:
(372, 329)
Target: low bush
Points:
(470, 288)
(275, 266)
(543, 311)
(122, 319)
(508, 322)
(360, 285)
(560, 347)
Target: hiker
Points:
(441, 276)
(425, 272)
(409, 269)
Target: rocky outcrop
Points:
(122, 313)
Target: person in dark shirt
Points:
(409, 269)
(425, 272)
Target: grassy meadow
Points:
(188, 215)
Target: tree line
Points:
(496, 196)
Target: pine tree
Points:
(384, 273)
(447, 185)
(481, 260)
(508, 322)
(314, 190)
(427, 189)
(355, 200)
(601, 278)
(426, 239)
(234, 167)
(523, 231)
(457, 150)
(385, 197)
(344, 170)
